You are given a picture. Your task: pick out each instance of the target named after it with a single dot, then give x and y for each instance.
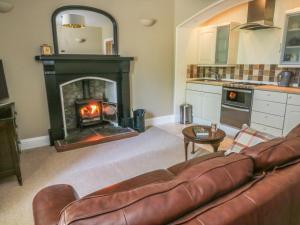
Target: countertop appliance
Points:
(284, 78)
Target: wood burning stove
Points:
(91, 111)
(88, 112)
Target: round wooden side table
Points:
(214, 138)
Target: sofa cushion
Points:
(48, 203)
(274, 153)
(178, 168)
(139, 181)
(248, 137)
(294, 133)
(163, 202)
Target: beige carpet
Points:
(86, 169)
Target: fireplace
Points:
(88, 99)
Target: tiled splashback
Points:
(254, 72)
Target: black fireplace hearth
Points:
(60, 69)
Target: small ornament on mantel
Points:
(46, 49)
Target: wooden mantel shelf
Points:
(74, 57)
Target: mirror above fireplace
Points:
(84, 30)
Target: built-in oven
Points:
(236, 106)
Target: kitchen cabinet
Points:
(268, 112)
(290, 53)
(206, 101)
(195, 99)
(218, 44)
(207, 45)
(212, 107)
(292, 116)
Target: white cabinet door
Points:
(207, 45)
(195, 99)
(292, 118)
(212, 107)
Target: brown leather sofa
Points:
(260, 186)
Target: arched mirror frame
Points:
(79, 7)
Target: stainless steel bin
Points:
(186, 114)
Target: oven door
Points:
(235, 116)
(237, 97)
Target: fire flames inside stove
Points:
(89, 112)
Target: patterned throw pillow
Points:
(248, 137)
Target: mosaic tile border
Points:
(253, 72)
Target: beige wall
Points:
(28, 26)
(184, 9)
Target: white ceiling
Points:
(92, 19)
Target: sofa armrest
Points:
(48, 203)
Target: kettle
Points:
(284, 78)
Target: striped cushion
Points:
(248, 137)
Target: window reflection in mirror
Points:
(84, 32)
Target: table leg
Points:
(186, 146)
(216, 146)
(193, 151)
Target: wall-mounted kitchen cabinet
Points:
(290, 53)
(218, 45)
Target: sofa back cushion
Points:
(274, 153)
(294, 132)
(163, 202)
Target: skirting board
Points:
(44, 140)
(160, 120)
(34, 142)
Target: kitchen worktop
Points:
(275, 88)
(289, 90)
(208, 82)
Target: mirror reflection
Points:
(84, 32)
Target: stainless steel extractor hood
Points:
(260, 15)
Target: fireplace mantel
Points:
(62, 57)
(59, 69)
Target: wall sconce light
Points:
(147, 22)
(80, 40)
(5, 6)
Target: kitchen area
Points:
(243, 67)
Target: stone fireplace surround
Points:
(99, 88)
(63, 69)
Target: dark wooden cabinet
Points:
(9, 148)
